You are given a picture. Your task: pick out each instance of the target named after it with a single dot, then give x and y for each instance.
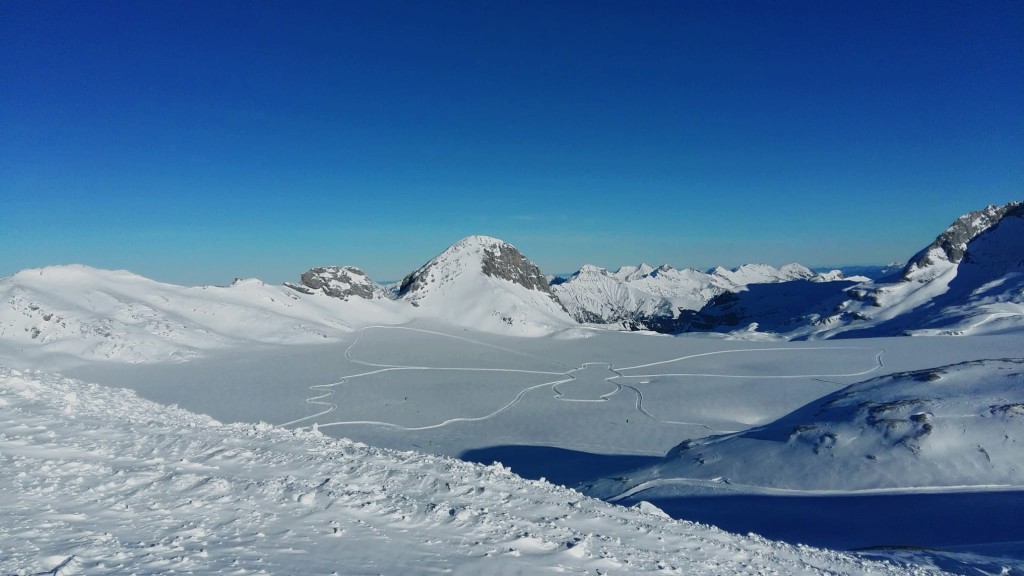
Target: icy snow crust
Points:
(98, 481)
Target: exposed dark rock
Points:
(953, 241)
(341, 282)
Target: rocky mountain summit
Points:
(341, 282)
(496, 259)
(951, 246)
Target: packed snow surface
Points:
(99, 481)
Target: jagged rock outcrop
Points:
(951, 246)
(342, 282)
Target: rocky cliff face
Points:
(951, 246)
(342, 282)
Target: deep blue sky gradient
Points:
(194, 142)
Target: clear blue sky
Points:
(193, 142)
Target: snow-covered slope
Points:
(97, 481)
(779, 308)
(486, 284)
(970, 280)
(83, 312)
(951, 428)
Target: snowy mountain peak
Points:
(630, 273)
(486, 283)
(476, 254)
(950, 246)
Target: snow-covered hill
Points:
(970, 280)
(98, 481)
(86, 313)
(486, 284)
(958, 427)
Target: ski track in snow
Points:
(747, 489)
(324, 391)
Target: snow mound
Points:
(951, 428)
(98, 481)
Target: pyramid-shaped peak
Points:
(471, 256)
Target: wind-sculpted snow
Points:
(97, 481)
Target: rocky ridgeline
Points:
(951, 245)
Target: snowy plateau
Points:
(479, 417)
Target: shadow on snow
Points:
(557, 465)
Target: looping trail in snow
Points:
(324, 391)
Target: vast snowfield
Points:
(569, 408)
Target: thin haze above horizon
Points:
(193, 142)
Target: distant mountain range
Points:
(969, 280)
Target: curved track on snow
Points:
(325, 391)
